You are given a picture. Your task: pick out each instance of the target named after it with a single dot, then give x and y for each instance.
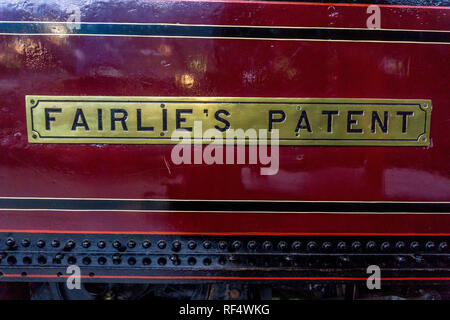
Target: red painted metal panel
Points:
(125, 66)
(224, 223)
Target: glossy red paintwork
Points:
(224, 223)
(122, 66)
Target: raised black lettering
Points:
(122, 119)
(224, 121)
(164, 119)
(48, 119)
(79, 115)
(303, 117)
(376, 119)
(405, 115)
(180, 120)
(100, 119)
(330, 115)
(351, 121)
(139, 122)
(275, 120)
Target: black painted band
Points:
(224, 32)
(220, 205)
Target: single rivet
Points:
(86, 260)
(192, 245)
(222, 245)
(236, 245)
(27, 260)
(282, 245)
(131, 261)
(59, 256)
(312, 246)
(207, 261)
(174, 259)
(10, 242)
(42, 260)
(176, 245)
(161, 244)
(72, 260)
(414, 245)
(430, 245)
(26, 243)
(131, 244)
(146, 261)
(207, 244)
(40, 243)
(11, 260)
(296, 245)
(162, 261)
(327, 246)
(288, 258)
(116, 260)
(385, 246)
(70, 244)
(146, 244)
(400, 245)
(234, 259)
(443, 246)
(267, 245)
(101, 260)
(55, 243)
(371, 245)
(344, 259)
(252, 245)
(101, 244)
(342, 246)
(356, 245)
(192, 261)
(86, 244)
(116, 244)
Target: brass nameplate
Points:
(300, 121)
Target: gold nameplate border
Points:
(300, 121)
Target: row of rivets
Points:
(70, 244)
(283, 261)
(251, 245)
(72, 260)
